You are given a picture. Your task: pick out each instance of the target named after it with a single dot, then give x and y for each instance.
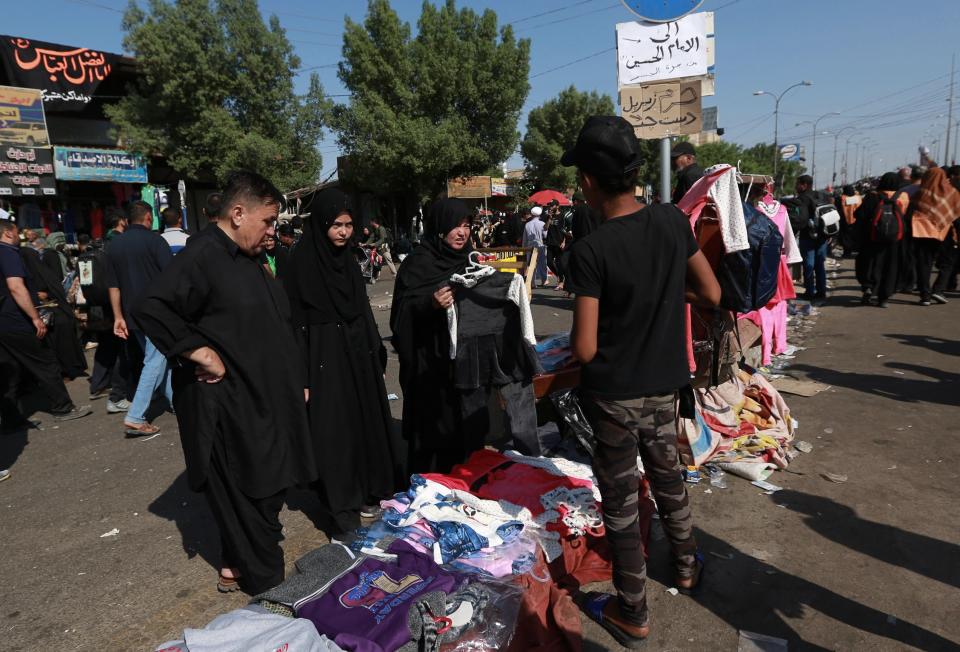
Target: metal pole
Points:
(946, 150)
(776, 138)
(665, 170)
(833, 179)
(813, 161)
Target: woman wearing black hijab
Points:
(877, 262)
(431, 405)
(349, 413)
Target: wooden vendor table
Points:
(547, 383)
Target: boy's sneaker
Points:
(4, 475)
(939, 298)
(925, 302)
(120, 406)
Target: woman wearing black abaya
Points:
(349, 413)
(62, 336)
(418, 320)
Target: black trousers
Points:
(111, 368)
(885, 260)
(927, 250)
(250, 529)
(21, 355)
(555, 262)
(520, 405)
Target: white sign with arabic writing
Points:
(648, 52)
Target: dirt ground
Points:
(867, 564)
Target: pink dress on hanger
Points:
(772, 318)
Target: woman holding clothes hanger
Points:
(357, 453)
(450, 361)
(418, 318)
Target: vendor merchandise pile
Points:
(475, 559)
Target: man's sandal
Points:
(594, 605)
(697, 577)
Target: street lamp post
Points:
(776, 120)
(836, 138)
(846, 156)
(816, 123)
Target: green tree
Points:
(215, 92)
(752, 160)
(552, 129)
(443, 104)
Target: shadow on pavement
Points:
(11, 446)
(839, 523)
(894, 387)
(936, 344)
(754, 595)
(190, 513)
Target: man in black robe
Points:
(238, 380)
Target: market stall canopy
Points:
(544, 197)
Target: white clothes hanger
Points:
(474, 272)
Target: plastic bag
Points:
(481, 616)
(568, 407)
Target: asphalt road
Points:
(871, 563)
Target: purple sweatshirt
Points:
(364, 609)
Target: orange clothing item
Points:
(850, 206)
(938, 205)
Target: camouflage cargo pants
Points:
(623, 429)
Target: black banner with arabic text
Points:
(67, 76)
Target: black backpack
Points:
(92, 270)
(887, 224)
(748, 278)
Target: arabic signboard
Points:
(664, 109)
(21, 118)
(709, 119)
(469, 188)
(499, 187)
(661, 11)
(67, 77)
(82, 164)
(790, 152)
(649, 52)
(26, 172)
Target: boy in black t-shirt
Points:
(632, 277)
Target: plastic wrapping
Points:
(567, 404)
(491, 625)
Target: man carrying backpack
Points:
(880, 228)
(814, 238)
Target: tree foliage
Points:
(442, 104)
(752, 160)
(552, 129)
(214, 92)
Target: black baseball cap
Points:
(606, 145)
(682, 148)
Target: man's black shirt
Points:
(636, 265)
(136, 257)
(685, 180)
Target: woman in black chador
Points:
(432, 422)
(349, 414)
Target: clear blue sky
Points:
(885, 64)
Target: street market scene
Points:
(466, 325)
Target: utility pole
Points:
(946, 151)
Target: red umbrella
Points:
(544, 197)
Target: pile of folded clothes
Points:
(744, 425)
(481, 558)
